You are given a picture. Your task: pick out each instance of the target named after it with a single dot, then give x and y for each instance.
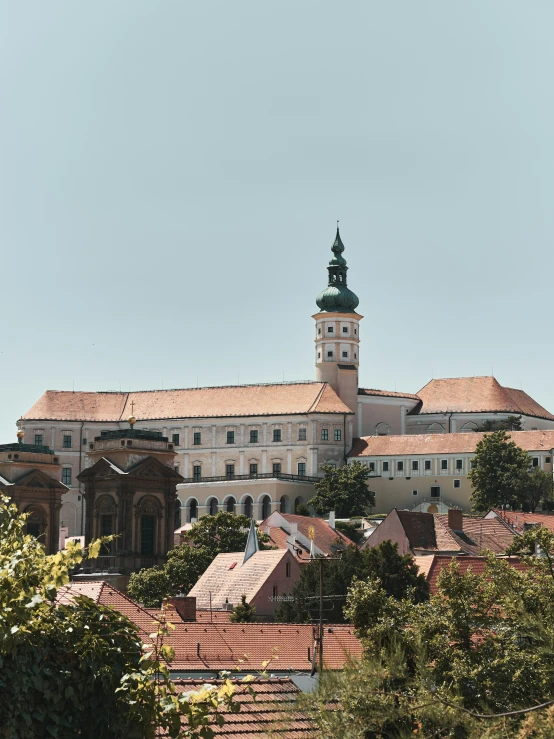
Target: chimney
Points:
(293, 533)
(455, 519)
(185, 605)
(332, 519)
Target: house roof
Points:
(269, 712)
(476, 395)
(325, 537)
(218, 645)
(516, 520)
(386, 393)
(423, 534)
(206, 402)
(423, 444)
(227, 578)
(478, 534)
(474, 564)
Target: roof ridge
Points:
(179, 389)
(318, 398)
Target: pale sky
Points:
(171, 173)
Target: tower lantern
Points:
(337, 327)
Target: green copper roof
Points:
(337, 298)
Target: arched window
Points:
(284, 504)
(192, 513)
(213, 506)
(230, 506)
(468, 427)
(36, 522)
(105, 520)
(435, 428)
(265, 507)
(248, 507)
(298, 502)
(149, 513)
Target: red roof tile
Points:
(478, 534)
(517, 520)
(386, 393)
(269, 712)
(466, 564)
(325, 537)
(422, 444)
(207, 402)
(476, 395)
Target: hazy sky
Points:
(171, 173)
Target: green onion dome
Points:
(337, 298)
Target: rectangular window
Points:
(459, 464)
(345, 329)
(457, 483)
(276, 468)
(329, 354)
(427, 464)
(414, 492)
(444, 464)
(400, 466)
(302, 434)
(67, 441)
(66, 475)
(372, 466)
(253, 470)
(329, 329)
(385, 466)
(547, 460)
(535, 461)
(230, 437)
(147, 524)
(253, 437)
(85, 441)
(287, 569)
(175, 439)
(106, 529)
(230, 471)
(345, 355)
(338, 434)
(197, 438)
(302, 469)
(415, 465)
(324, 434)
(276, 434)
(38, 439)
(435, 492)
(197, 472)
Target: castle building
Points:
(256, 449)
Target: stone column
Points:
(289, 461)
(241, 462)
(402, 419)
(360, 428)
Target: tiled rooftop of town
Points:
(271, 712)
(207, 402)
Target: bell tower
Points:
(337, 328)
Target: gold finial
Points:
(20, 432)
(132, 420)
(311, 533)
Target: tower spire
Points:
(337, 296)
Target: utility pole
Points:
(320, 615)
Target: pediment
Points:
(38, 479)
(151, 467)
(102, 468)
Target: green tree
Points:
(535, 489)
(79, 669)
(352, 530)
(243, 612)
(343, 490)
(498, 468)
(185, 564)
(224, 532)
(512, 423)
(396, 575)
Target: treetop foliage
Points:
(343, 490)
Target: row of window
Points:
(330, 355)
(253, 471)
(427, 465)
(331, 330)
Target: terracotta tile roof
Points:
(473, 564)
(422, 534)
(207, 402)
(422, 444)
(386, 393)
(211, 646)
(325, 537)
(270, 712)
(227, 579)
(424, 563)
(516, 520)
(476, 395)
(478, 534)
